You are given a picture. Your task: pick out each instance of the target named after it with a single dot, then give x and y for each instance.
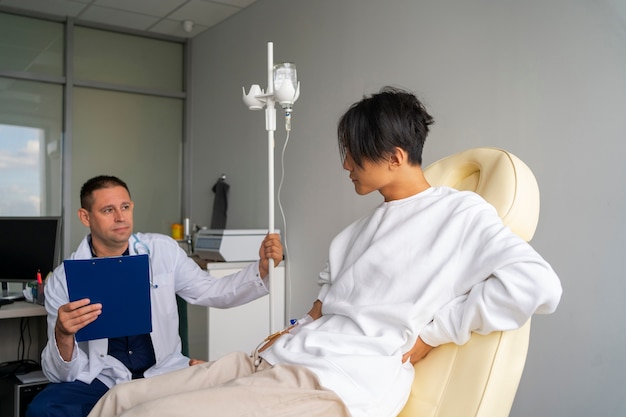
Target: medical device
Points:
(284, 88)
(229, 245)
(141, 248)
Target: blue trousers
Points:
(66, 399)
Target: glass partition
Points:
(117, 58)
(137, 138)
(120, 112)
(30, 148)
(31, 45)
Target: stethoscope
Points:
(140, 248)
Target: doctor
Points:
(80, 373)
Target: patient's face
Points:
(372, 176)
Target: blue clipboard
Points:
(122, 285)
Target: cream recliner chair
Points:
(479, 378)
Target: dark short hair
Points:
(96, 183)
(372, 128)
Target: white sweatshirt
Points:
(440, 265)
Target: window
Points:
(20, 179)
(123, 115)
(30, 148)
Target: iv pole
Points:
(270, 126)
(256, 99)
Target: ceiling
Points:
(165, 17)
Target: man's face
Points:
(110, 218)
(372, 176)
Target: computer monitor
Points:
(27, 245)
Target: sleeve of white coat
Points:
(197, 286)
(503, 282)
(53, 365)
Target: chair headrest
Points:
(499, 177)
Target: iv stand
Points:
(256, 99)
(270, 126)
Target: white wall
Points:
(545, 80)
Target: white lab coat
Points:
(172, 272)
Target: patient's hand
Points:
(193, 362)
(315, 313)
(316, 310)
(418, 352)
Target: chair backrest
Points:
(480, 378)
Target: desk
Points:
(10, 320)
(21, 309)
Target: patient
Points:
(428, 266)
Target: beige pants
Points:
(229, 387)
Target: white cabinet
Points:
(215, 332)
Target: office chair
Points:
(479, 378)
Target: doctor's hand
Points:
(72, 317)
(418, 352)
(271, 248)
